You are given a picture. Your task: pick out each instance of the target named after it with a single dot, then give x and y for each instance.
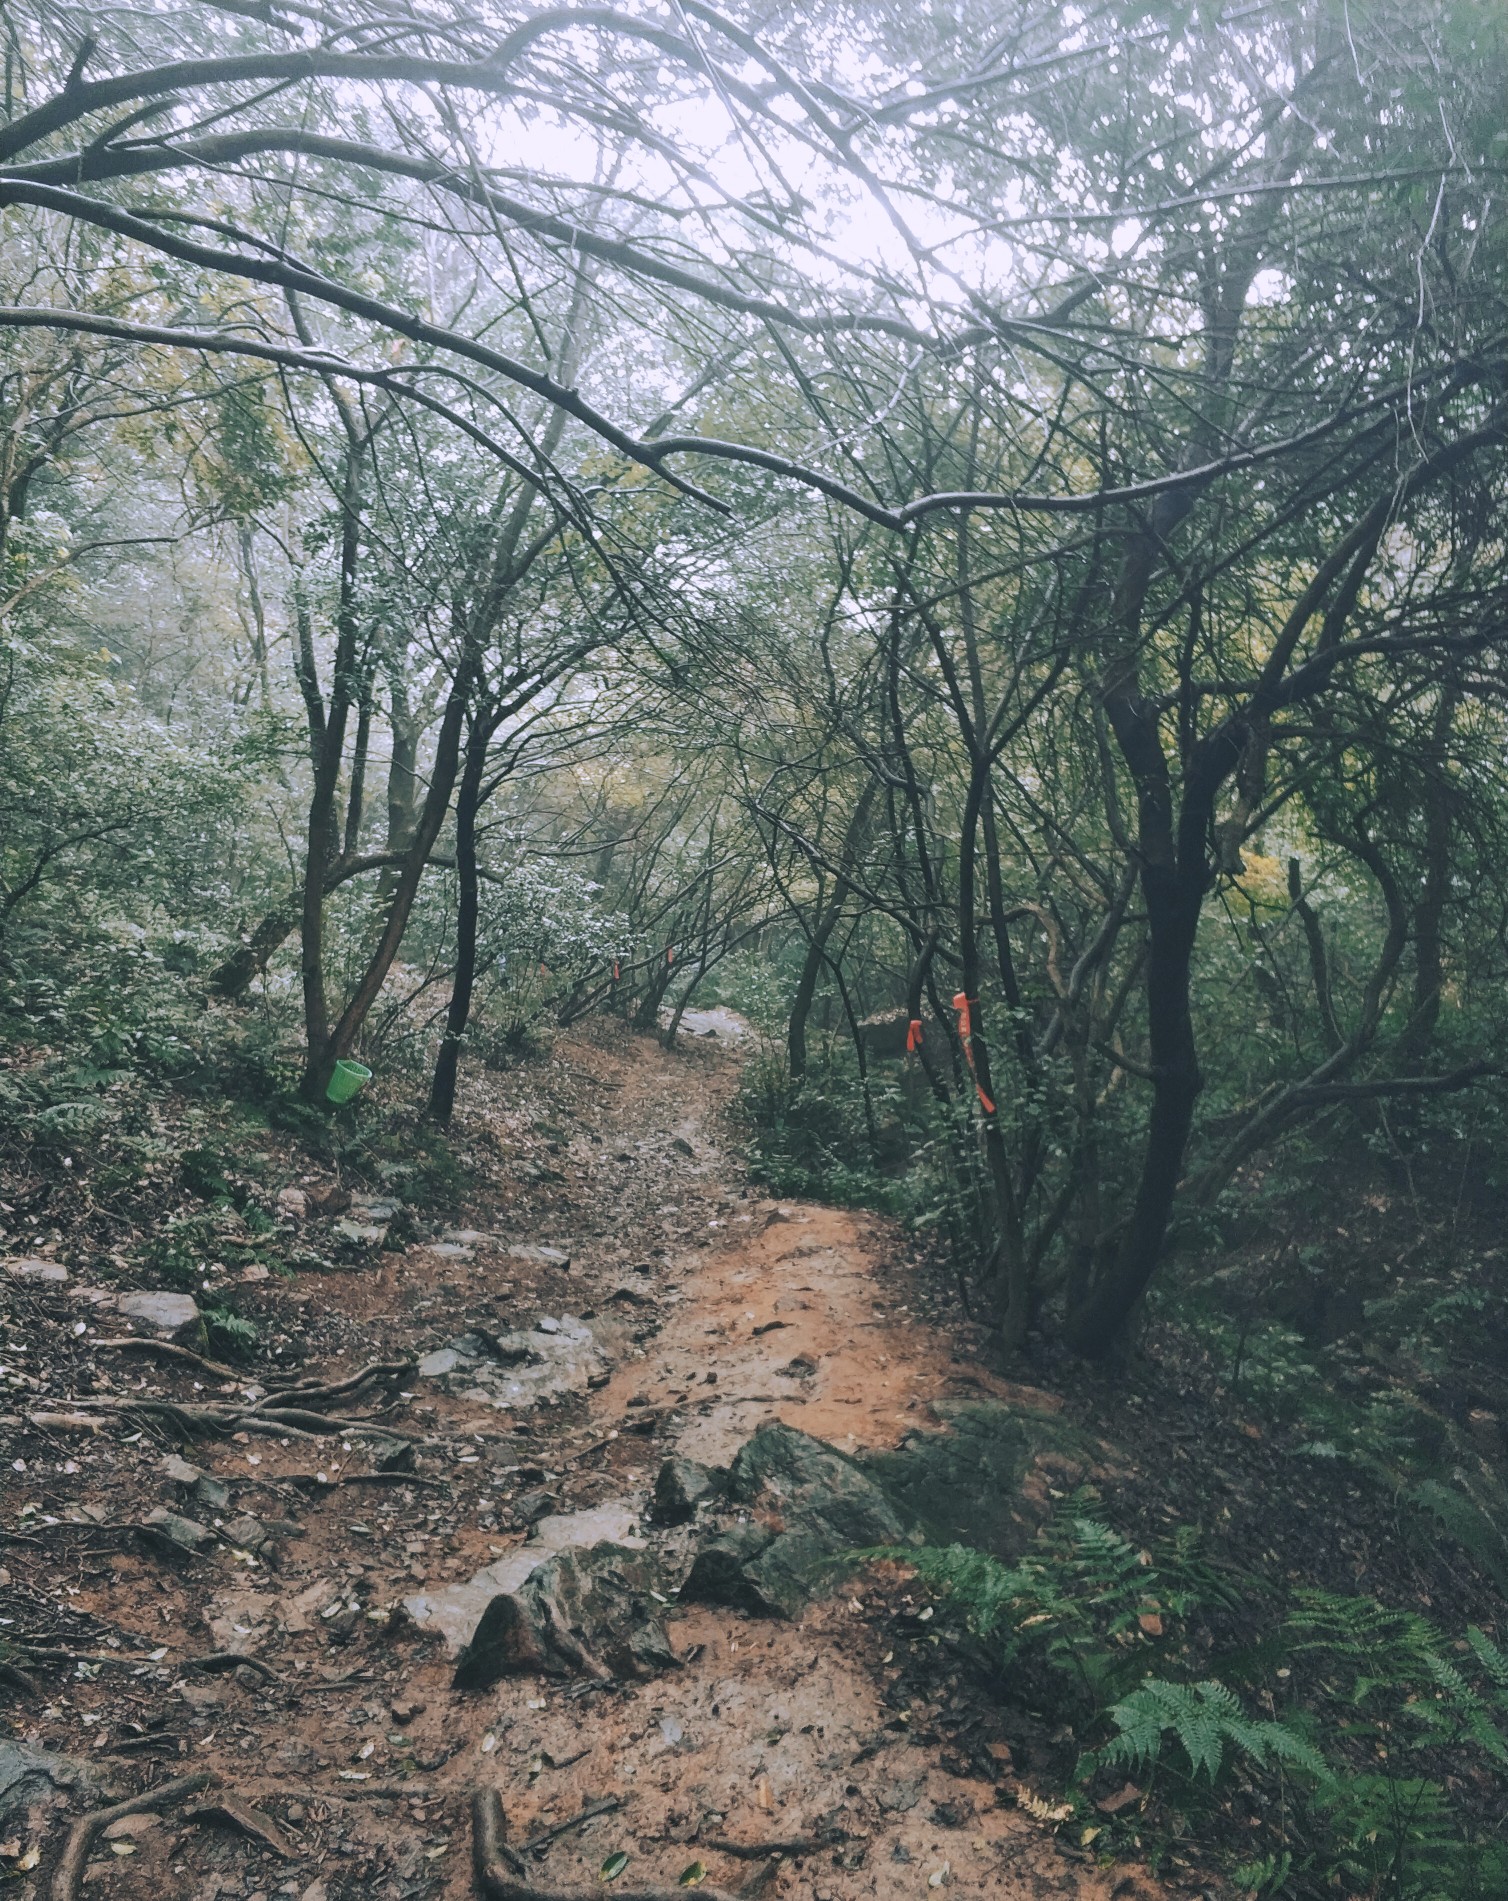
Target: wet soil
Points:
(710, 1312)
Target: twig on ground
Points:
(500, 1877)
(605, 1806)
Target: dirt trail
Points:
(769, 1731)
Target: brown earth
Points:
(722, 1312)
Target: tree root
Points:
(166, 1350)
(216, 1660)
(16, 1678)
(292, 1413)
(501, 1876)
(68, 1875)
(761, 1851)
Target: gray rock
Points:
(680, 1487)
(32, 1779)
(451, 1251)
(360, 1234)
(455, 1610)
(530, 1507)
(293, 1203)
(434, 1366)
(519, 1370)
(170, 1316)
(211, 1494)
(180, 1471)
(174, 1535)
(826, 1505)
(584, 1613)
(718, 1573)
(37, 1273)
(541, 1256)
(248, 1533)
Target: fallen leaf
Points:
(1122, 1799)
(762, 1794)
(613, 1866)
(692, 1877)
(1151, 1623)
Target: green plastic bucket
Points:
(349, 1080)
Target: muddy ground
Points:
(601, 1217)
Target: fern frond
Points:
(1206, 1720)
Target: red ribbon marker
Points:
(670, 953)
(617, 970)
(966, 1037)
(913, 1036)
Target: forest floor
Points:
(596, 1199)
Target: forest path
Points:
(606, 1202)
(770, 1731)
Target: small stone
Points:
(172, 1532)
(451, 1251)
(248, 1533)
(31, 1777)
(38, 1273)
(549, 1326)
(464, 1237)
(170, 1316)
(293, 1203)
(443, 1360)
(681, 1486)
(530, 1507)
(360, 1234)
(541, 1256)
(211, 1494)
(180, 1471)
(682, 1146)
(370, 1208)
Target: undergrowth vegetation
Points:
(1326, 1743)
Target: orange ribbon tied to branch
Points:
(617, 970)
(913, 1036)
(964, 1007)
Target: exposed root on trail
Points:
(274, 1413)
(501, 1875)
(68, 1876)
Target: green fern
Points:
(1206, 1721)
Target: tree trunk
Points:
(442, 1094)
(338, 1043)
(1174, 898)
(232, 978)
(806, 988)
